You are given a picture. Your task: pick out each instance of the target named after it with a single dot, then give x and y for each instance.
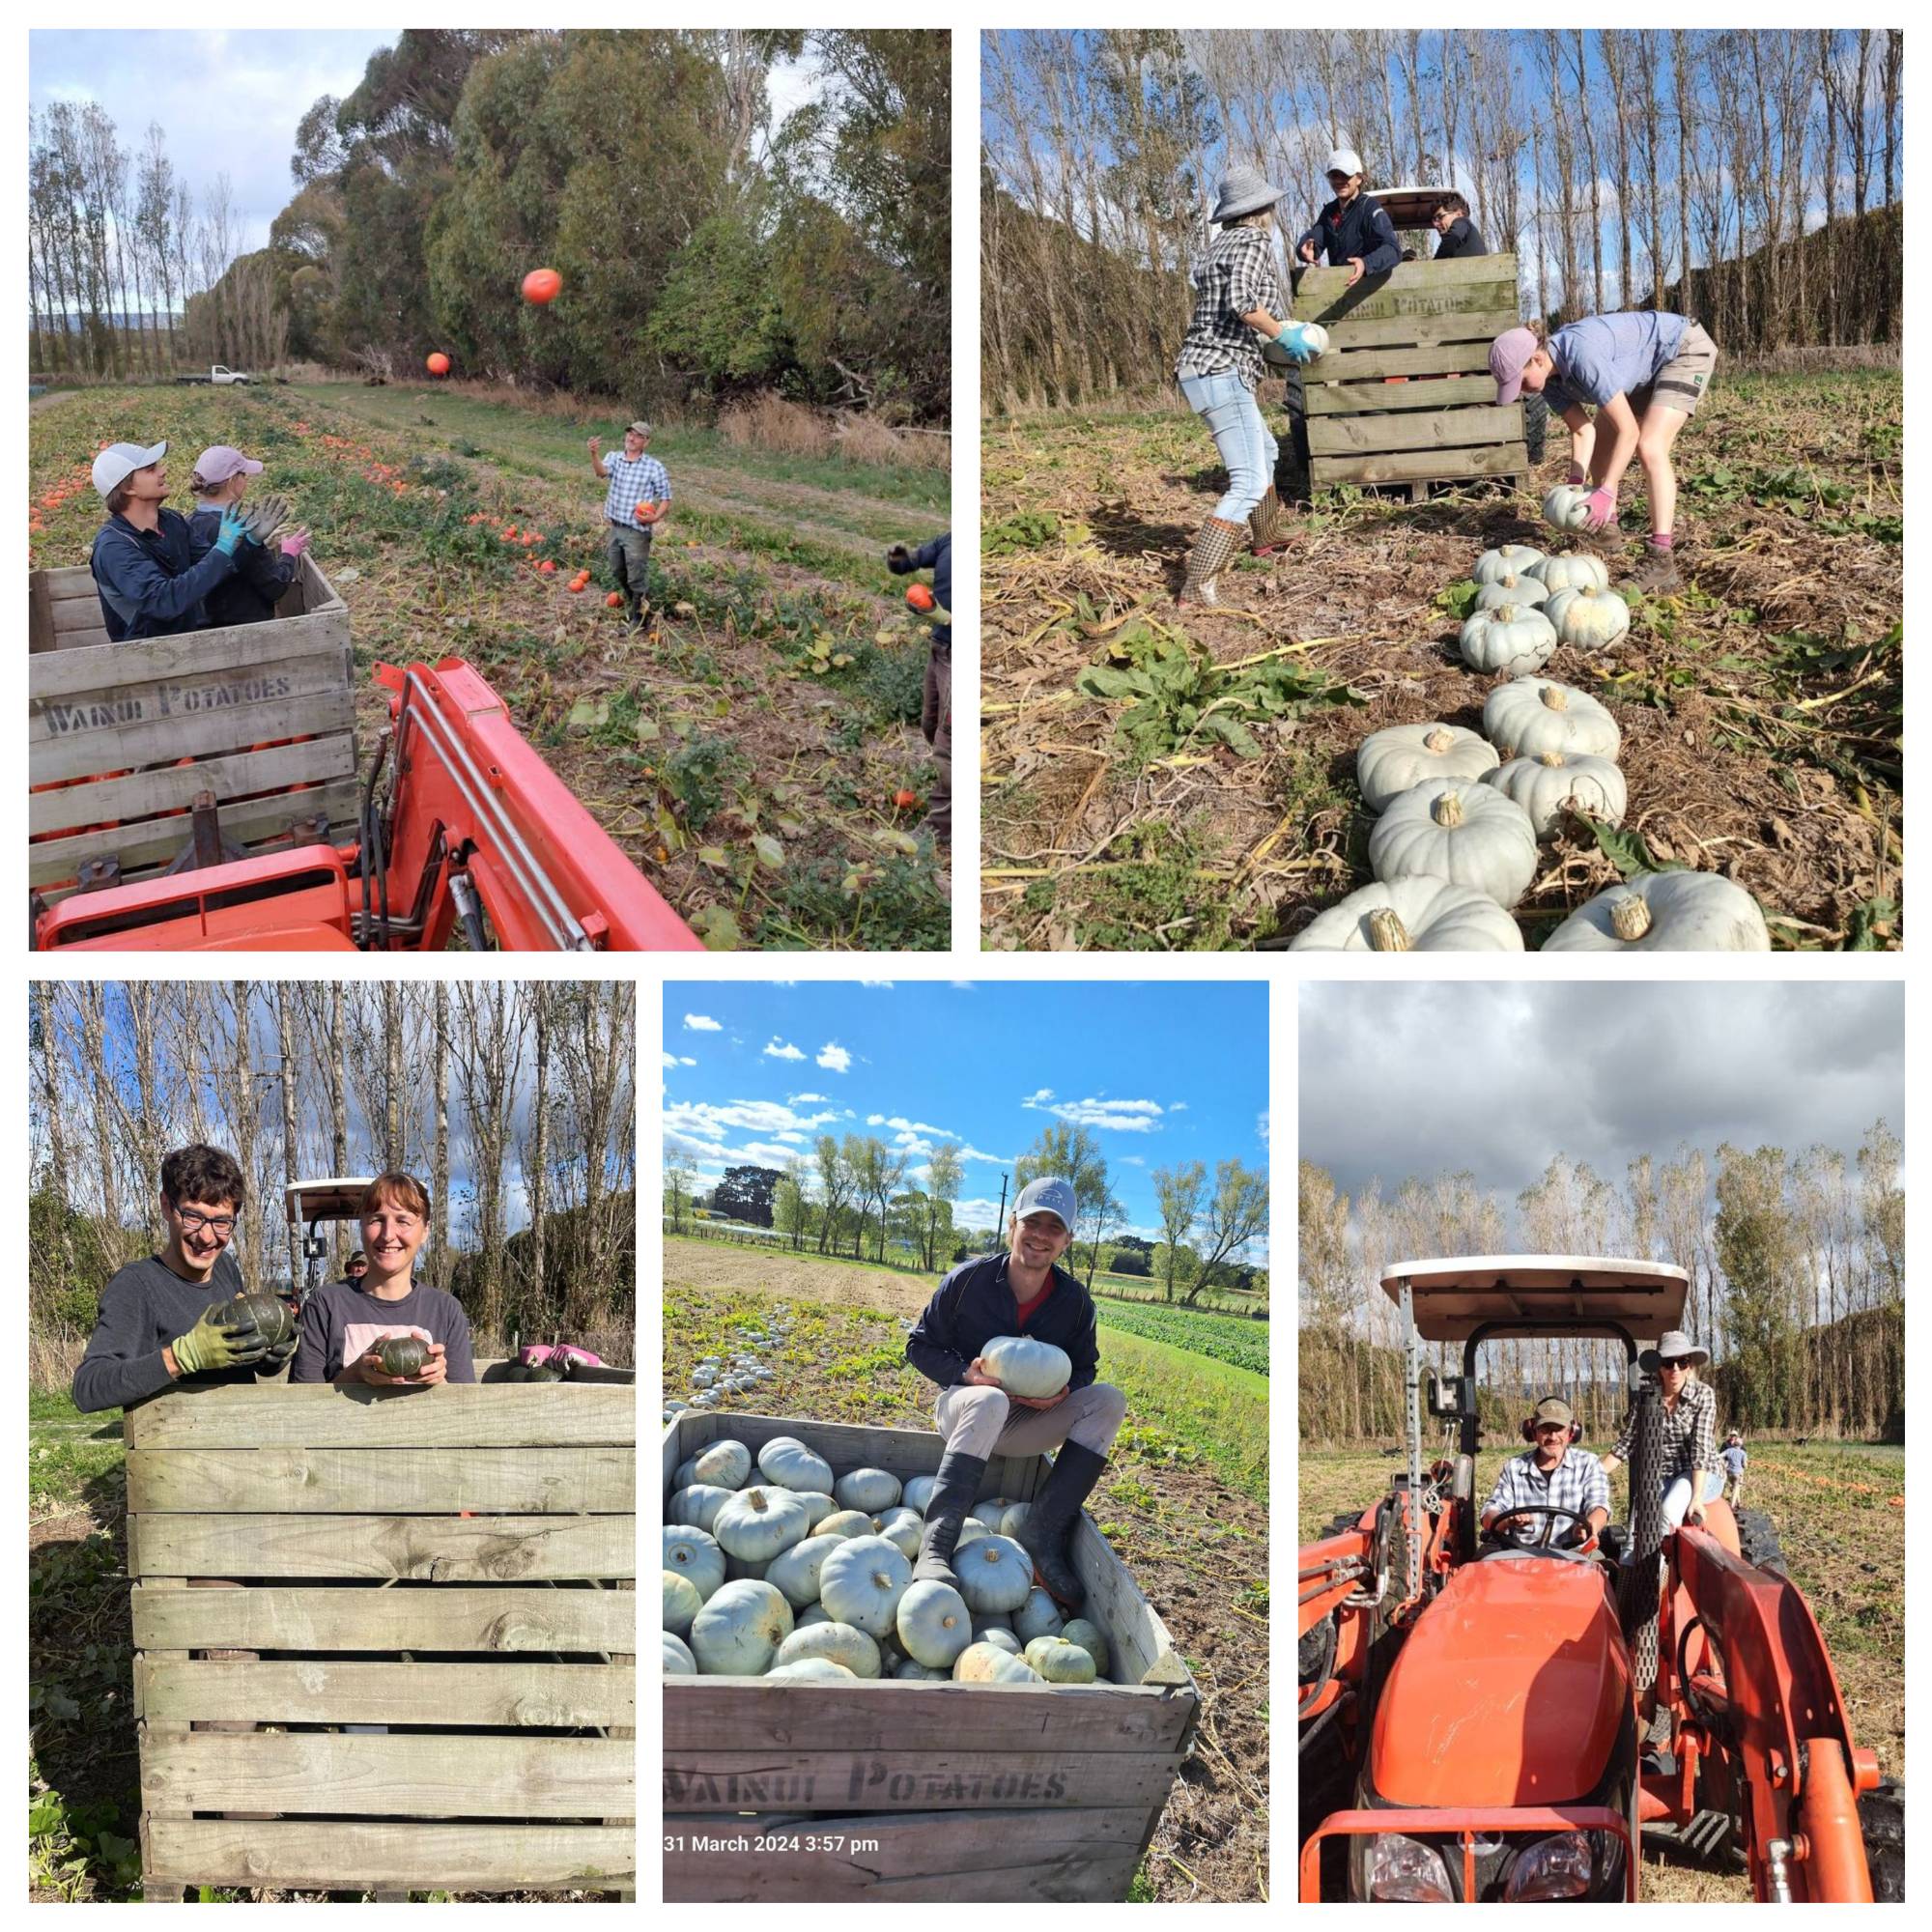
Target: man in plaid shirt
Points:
(637, 480)
(1554, 1474)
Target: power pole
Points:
(999, 1225)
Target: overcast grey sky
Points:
(1429, 1077)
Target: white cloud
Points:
(791, 1135)
(970, 1153)
(1176, 1107)
(1262, 1127)
(961, 985)
(883, 985)
(803, 1099)
(703, 1124)
(782, 1049)
(834, 1057)
(1131, 1159)
(1121, 1117)
(679, 1060)
(703, 1023)
(875, 1120)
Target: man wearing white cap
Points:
(1021, 1292)
(152, 573)
(262, 575)
(1354, 229)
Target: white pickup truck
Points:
(219, 374)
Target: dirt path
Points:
(36, 403)
(785, 1277)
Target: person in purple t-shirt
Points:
(345, 1322)
(1644, 371)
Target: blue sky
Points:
(755, 1072)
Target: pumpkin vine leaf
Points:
(1178, 696)
(1625, 851)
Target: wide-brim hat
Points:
(1242, 191)
(1673, 1345)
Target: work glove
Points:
(212, 1344)
(264, 516)
(279, 1356)
(898, 560)
(234, 531)
(294, 546)
(1601, 507)
(1293, 341)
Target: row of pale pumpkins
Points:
(804, 1576)
(740, 1373)
(1461, 813)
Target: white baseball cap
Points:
(1048, 1195)
(1345, 161)
(119, 461)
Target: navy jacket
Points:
(975, 1304)
(1463, 238)
(262, 576)
(937, 557)
(153, 583)
(1362, 228)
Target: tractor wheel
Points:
(1336, 1524)
(1535, 426)
(1758, 1540)
(1882, 1820)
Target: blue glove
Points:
(1292, 341)
(233, 533)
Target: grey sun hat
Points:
(1674, 1344)
(1048, 1195)
(1243, 191)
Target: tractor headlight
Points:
(1395, 1870)
(1554, 1867)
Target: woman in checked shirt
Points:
(1236, 299)
(1689, 1424)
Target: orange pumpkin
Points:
(438, 364)
(542, 285)
(920, 598)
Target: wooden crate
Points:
(266, 713)
(962, 1792)
(1404, 393)
(457, 1564)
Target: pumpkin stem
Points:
(1550, 758)
(1440, 739)
(1555, 697)
(1630, 917)
(1386, 931)
(1447, 810)
(1503, 613)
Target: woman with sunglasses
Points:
(1689, 1424)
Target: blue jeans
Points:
(1234, 418)
(1677, 1496)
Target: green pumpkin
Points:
(273, 1318)
(544, 1372)
(514, 1372)
(403, 1354)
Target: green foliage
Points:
(1459, 599)
(1179, 699)
(1028, 529)
(71, 1265)
(702, 772)
(716, 312)
(1225, 1337)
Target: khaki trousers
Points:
(982, 1422)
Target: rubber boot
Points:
(1217, 542)
(955, 1490)
(1268, 523)
(1046, 1531)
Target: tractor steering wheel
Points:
(1582, 1552)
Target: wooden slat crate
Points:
(455, 1565)
(882, 1791)
(121, 738)
(1404, 393)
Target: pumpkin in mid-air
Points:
(542, 285)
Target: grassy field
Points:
(1183, 1502)
(1839, 1511)
(745, 751)
(1761, 707)
(1227, 1338)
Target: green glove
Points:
(212, 1344)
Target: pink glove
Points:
(1603, 508)
(295, 546)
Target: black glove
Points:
(898, 560)
(279, 1356)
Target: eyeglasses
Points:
(194, 1223)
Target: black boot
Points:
(954, 1489)
(1047, 1533)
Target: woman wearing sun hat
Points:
(1688, 1423)
(1238, 300)
(1644, 371)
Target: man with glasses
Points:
(156, 1325)
(1552, 1474)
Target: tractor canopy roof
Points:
(336, 1199)
(1456, 1296)
(1410, 206)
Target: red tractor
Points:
(1507, 1717)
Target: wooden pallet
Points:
(122, 738)
(980, 1793)
(1404, 394)
(472, 1551)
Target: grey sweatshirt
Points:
(341, 1323)
(145, 1307)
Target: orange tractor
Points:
(1508, 1715)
